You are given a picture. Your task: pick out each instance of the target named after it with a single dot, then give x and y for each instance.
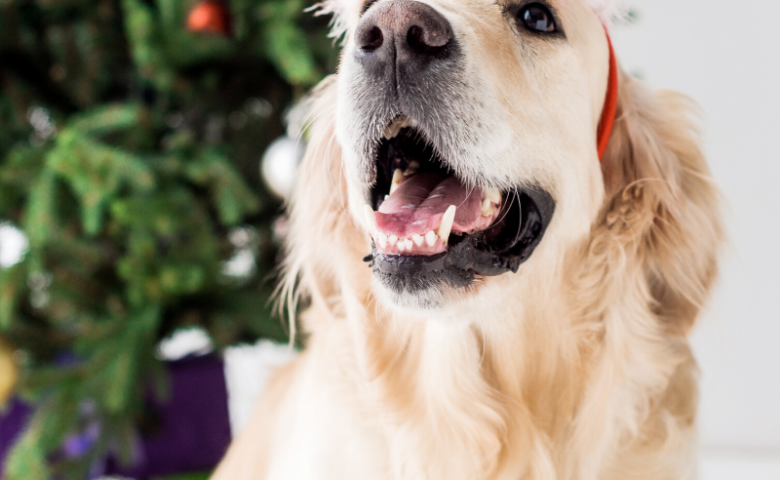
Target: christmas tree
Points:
(130, 137)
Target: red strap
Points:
(610, 103)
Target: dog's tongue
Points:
(418, 204)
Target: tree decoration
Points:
(7, 371)
(280, 165)
(209, 16)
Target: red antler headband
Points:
(610, 103)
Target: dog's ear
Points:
(661, 202)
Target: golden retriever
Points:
(486, 297)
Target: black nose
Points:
(402, 37)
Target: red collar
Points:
(610, 103)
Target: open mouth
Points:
(428, 225)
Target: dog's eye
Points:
(537, 18)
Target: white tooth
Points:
(487, 207)
(368, 212)
(446, 224)
(408, 244)
(391, 131)
(412, 168)
(392, 239)
(381, 238)
(387, 196)
(401, 246)
(430, 238)
(417, 239)
(493, 195)
(398, 177)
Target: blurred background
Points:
(145, 149)
(132, 207)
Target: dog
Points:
(502, 241)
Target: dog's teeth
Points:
(398, 177)
(487, 207)
(368, 212)
(446, 224)
(493, 195)
(401, 246)
(430, 238)
(391, 131)
(392, 239)
(407, 244)
(381, 239)
(418, 240)
(412, 168)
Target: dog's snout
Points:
(370, 38)
(402, 35)
(415, 26)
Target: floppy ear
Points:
(662, 200)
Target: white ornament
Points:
(13, 245)
(280, 165)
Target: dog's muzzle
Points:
(428, 226)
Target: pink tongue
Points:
(418, 204)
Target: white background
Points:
(726, 55)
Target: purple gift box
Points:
(192, 428)
(12, 421)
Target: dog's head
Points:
(468, 143)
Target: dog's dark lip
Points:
(525, 214)
(497, 250)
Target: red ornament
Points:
(209, 16)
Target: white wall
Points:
(726, 55)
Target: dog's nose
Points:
(404, 36)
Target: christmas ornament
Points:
(280, 165)
(209, 16)
(7, 371)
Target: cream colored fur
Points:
(576, 367)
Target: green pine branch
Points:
(128, 155)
